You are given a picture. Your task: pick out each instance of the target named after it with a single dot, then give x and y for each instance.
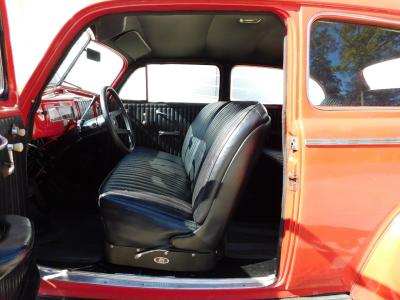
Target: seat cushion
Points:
(148, 170)
(146, 200)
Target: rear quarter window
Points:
(255, 83)
(263, 84)
(354, 64)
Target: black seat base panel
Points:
(161, 259)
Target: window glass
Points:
(135, 87)
(76, 49)
(383, 75)
(262, 84)
(173, 83)
(354, 64)
(92, 75)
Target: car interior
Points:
(177, 169)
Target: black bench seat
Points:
(154, 202)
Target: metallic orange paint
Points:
(345, 192)
(379, 278)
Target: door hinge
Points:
(292, 167)
(293, 181)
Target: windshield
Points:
(81, 70)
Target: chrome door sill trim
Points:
(160, 282)
(352, 142)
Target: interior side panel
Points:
(21, 283)
(13, 192)
(13, 188)
(148, 119)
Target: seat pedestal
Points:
(161, 259)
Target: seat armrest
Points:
(16, 242)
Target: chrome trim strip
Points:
(141, 281)
(352, 142)
(331, 15)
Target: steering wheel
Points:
(116, 119)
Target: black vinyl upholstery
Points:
(149, 118)
(146, 196)
(153, 199)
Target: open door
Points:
(19, 277)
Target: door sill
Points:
(160, 282)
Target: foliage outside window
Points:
(355, 64)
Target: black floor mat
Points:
(70, 239)
(252, 241)
(77, 242)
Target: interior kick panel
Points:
(59, 111)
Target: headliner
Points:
(207, 36)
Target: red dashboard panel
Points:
(59, 111)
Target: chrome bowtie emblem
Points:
(161, 260)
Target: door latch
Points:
(294, 144)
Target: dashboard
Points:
(60, 109)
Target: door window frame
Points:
(357, 19)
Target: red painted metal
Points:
(8, 105)
(60, 96)
(83, 18)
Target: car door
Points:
(162, 100)
(19, 278)
(344, 165)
